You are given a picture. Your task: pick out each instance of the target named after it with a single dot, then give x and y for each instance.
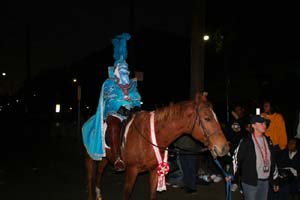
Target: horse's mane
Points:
(172, 111)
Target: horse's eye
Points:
(206, 118)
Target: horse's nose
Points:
(225, 149)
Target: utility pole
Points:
(197, 47)
(78, 110)
(28, 66)
(28, 51)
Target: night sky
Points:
(259, 49)
(261, 36)
(62, 33)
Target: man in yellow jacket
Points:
(276, 130)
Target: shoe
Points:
(205, 178)
(190, 191)
(200, 181)
(234, 187)
(175, 186)
(212, 177)
(217, 179)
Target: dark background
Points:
(251, 54)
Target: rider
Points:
(120, 97)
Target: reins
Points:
(165, 148)
(228, 183)
(186, 150)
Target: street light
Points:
(206, 37)
(57, 108)
(3, 74)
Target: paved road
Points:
(41, 166)
(53, 168)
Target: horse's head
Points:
(206, 127)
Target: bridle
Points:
(204, 130)
(196, 118)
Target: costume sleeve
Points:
(136, 102)
(134, 94)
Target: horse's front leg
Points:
(153, 184)
(130, 178)
(101, 166)
(89, 165)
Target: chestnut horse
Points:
(195, 117)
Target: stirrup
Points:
(119, 165)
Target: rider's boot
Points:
(114, 125)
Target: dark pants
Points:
(189, 167)
(283, 193)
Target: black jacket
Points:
(283, 160)
(244, 160)
(235, 131)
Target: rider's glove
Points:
(123, 111)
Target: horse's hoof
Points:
(119, 165)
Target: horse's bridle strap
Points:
(200, 124)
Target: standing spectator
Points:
(298, 127)
(175, 175)
(237, 127)
(255, 162)
(188, 156)
(235, 131)
(276, 129)
(289, 159)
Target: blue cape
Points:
(111, 99)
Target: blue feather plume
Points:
(120, 48)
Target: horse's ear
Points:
(201, 97)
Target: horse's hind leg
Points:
(130, 178)
(89, 165)
(101, 166)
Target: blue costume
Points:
(118, 97)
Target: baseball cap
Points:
(257, 118)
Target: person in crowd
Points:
(254, 160)
(189, 150)
(236, 129)
(276, 129)
(175, 175)
(289, 163)
(298, 127)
